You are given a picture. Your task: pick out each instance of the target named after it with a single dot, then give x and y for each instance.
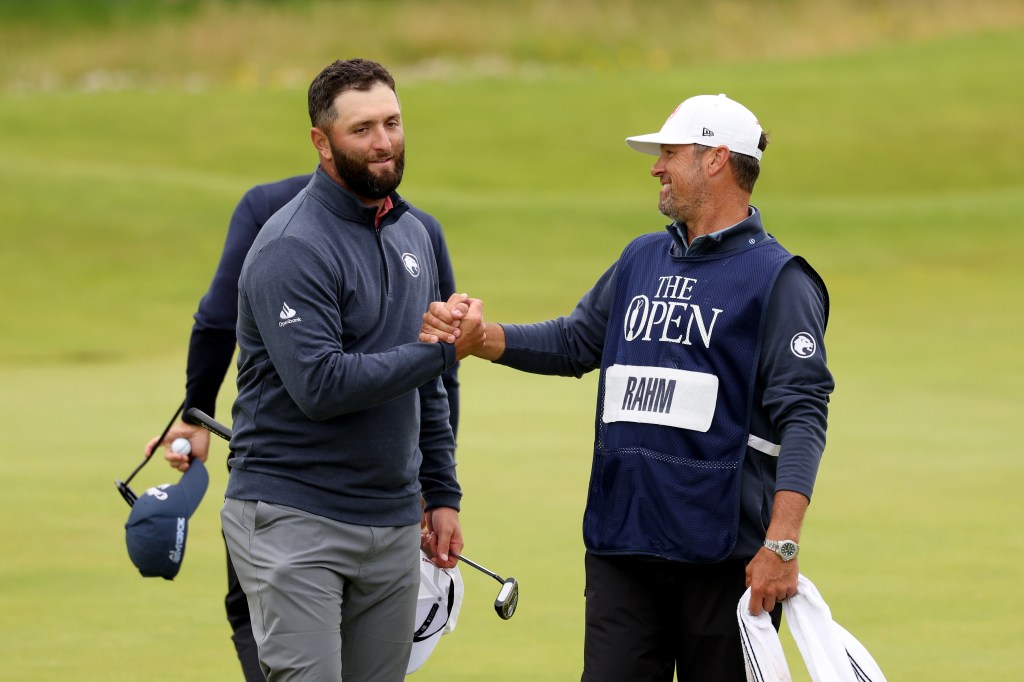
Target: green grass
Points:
(895, 170)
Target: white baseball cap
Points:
(437, 609)
(709, 120)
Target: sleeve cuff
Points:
(446, 499)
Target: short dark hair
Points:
(336, 78)
(745, 169)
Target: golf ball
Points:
(182, 446)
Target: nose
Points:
(381, 139)
(659, 166)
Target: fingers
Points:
(759, 604)
(428, 543)
(770, 581)
(445, 538)
(455, 546)
(442, 320)
(767, 602)
(198, 437)
(455, 299)
(439, 324)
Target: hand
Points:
(770, 580)
(197, 436)
(443, 535)
(442, 320)
(460, 321)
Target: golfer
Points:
(341, 422)
(212, 346)
(711, 410)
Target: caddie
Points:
(711, 409)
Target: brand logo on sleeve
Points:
(803, 345)
(287, 316)
(411, 264)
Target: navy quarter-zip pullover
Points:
(340, 410)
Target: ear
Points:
(717, 160)
(322, 144)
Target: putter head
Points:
(127, 493)
(508, 599)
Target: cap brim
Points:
(646, 144)
(651, 143)
(421, 652)
(193, 484)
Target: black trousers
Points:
(647, 619)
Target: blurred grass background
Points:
(128, 130)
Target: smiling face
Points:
(684, 187)
(364, 148)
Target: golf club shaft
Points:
(478, 567)
(159, 440)
(209, 423)
(215, 427)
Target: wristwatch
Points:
(786, 549)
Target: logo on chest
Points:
(411, 264)
(669, 316)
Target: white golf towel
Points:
(830, 653)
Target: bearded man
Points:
(341, 425)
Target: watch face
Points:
(788, 550)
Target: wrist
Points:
(493, 345)
(786, 549)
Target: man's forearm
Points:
(787, 516)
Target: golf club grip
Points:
(209, 423)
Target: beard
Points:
(685, 210)
(356, 174)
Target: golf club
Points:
(122, 486)
(508, 597)
(209, 423)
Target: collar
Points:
(383, 211)
(745, 233)
(347, 205)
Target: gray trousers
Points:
(324, 596)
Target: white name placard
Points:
(657, 395)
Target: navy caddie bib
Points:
(674, 400)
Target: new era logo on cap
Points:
(157, 526)
(706, 119)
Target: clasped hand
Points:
(460, 321)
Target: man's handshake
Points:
(460, 320)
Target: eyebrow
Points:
(370, 121)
